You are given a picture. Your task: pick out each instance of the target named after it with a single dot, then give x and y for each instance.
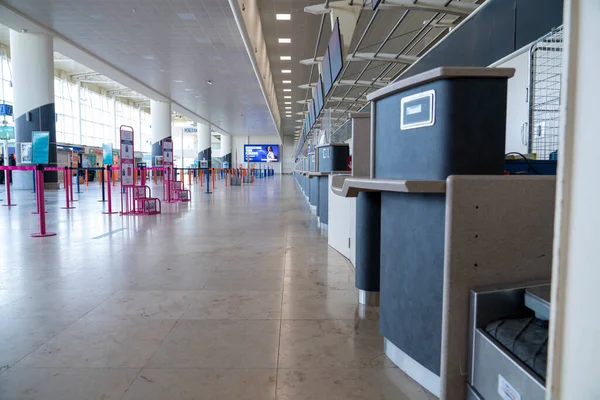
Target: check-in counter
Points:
(425, 129)
(313, 197)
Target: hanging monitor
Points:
(326, 71)
(336, 57)
(319, 91)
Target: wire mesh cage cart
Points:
(545, 76)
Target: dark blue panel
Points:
(205, 154)
(368, 241)
(535, 18)
(42, 119)
(468, 136)
(333, 158)
(482, 40)
(324, 199)
(313, 197)
(412, 269)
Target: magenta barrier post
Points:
(71, 185)
(109, 194)
(68, 205)
(39, 192)
(7, 176)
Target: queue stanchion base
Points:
(110, 212)
(40, 235)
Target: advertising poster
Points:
(26, 153)
(261, 152)
(127, 157)
(40, 144)
(107, 156)
(167, 152)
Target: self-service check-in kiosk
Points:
(445, 122)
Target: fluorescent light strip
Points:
(287, 97)
(286, 82)
(285, 58)
(288, 102)
(287, 90)
(286, 71)
(285, 40)
(283, 17)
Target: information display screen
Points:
(319, 96)
(326, 71)
(336, 60)
(261, 152)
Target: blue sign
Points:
(261, 152)
(40, 142)
(6, 109)
(190, 130)
(107, 153)
(7, 132)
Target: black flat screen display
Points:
(326, 71)
(336, 60)
(319, 90)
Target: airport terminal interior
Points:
(299, 200)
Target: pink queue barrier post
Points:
(39, 192)
(109, 194)
(71, 185)
(66, 174)
(7, 176)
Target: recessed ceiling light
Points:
(283, 17)
(288, 102)
(189, 90)
(286, 71)
(288, 116)
(178, 81)
(288, 108)
(287, 90)
(287, 97)
(285, 40)
(285, 58)
(285, 82)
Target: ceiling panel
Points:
(161, 41)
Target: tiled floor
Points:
(235, 295)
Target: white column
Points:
(33, 80)
(226, 149)
(575, 327)
(79, 113)
(161, 125)
(204, 143)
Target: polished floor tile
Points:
(219, 344)
(19, 337)
(326, 304)
(348, 384)
(195, 384)
(236, 295)
(65, 384)
(319, 279)
(214, 304)
(244, 280)
(331, 344)
(102, 344)
(145, 304)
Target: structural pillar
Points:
(204, 143)
(161, 126)
(33, 79)
(226, 149)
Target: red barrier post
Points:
(109, 190)
(39, 193)
(7, 176)
(67, 191)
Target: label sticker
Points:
(506, 391)
(410, 110)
